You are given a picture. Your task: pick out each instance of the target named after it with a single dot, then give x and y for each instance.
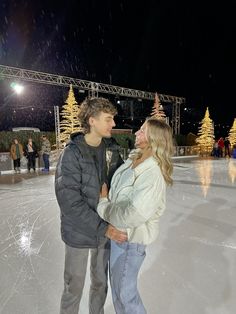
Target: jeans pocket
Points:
(141, 249)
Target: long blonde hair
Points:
(159, 136)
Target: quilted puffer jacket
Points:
(77, 188)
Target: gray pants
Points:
(74, 277)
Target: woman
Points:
(31, 154)
(136, 201)
(16, 153)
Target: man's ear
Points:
(91, 121)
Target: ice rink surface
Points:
(189, 269)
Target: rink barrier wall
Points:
(6, 163)
(178, 151)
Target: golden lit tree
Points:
(157, 109)
(232, 134)
(205, 139)
(70, 122)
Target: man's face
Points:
(141, 137)
(102, 124)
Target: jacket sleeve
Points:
(137, 208)
(70, 197)
(12, 151)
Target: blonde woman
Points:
(135, 203)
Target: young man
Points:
(45, 150)
(81, 171)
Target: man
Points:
(80, 173)
(45, 150)
(227, 147)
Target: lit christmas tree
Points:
(232, 134)
(157, 109)
(70, 122)
(205, 139)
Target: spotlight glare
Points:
(17, 88)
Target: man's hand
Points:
(116, 235)
(104, 190)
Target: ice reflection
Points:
(232, 170)
(25, 243)
(205, 175)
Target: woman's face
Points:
(141, 137)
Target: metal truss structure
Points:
(93, 88)
(57, 125)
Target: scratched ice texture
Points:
(189, 269)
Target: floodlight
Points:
(17, 88)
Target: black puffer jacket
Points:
(77, 187)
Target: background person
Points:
(227, 147)
(16, 153)
(215, 151)
(220, 146)
(45, 151)
(135, 203)
(234, 151)
(30, 152)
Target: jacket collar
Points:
(146, 164)
(78, 138)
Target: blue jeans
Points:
(125, 262)
(46, 161)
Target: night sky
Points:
(181, 48)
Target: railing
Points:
(186, 151)
(6, 162)
(179, 151)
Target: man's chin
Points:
(108, 135)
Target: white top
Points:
(136, 200)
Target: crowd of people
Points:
(222, 148)
(31, 152)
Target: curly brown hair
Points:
(92, 107)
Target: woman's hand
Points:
(104, 190)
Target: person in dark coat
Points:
(81, 170)
(227, 147)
